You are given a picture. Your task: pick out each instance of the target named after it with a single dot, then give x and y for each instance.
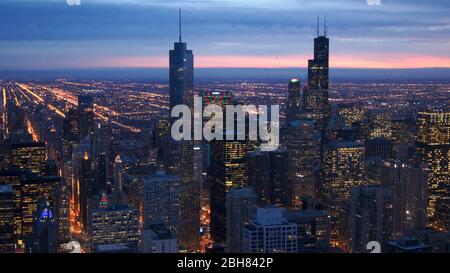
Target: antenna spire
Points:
(325, 26)
(179, 21)
(318, 26)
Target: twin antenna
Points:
(324, 26)
(179, 19)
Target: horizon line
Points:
(216, 67)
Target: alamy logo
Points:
(73, 2)
(374, 2)
(260, 128)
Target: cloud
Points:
(108, 29)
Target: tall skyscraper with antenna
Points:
(316, 106)
(316, 93)
(181, 87)
(181, 72)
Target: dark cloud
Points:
(225, 27)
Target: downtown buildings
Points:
(344, 174)
(434, 150)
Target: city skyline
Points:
(92, 165)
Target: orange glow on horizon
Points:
(372, 60)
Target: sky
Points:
(49, 34)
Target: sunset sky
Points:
(49, 34)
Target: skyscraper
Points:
(434, 150)
(118, 174)
(101, 154)
(241, 209)
(6, 219)
(405, 197)
(161, 198)
(343, 170)
(366, 217)
(86, 116)
(63, 211)
(302, 141)
(316, 102)
(267, 176)
(295, 100)
(70, 132)
(190, 199)
(227, 171)
(181, 88)
(35, 188)
(181, 76)
(85, 186)
(12, 178)
(45, 229)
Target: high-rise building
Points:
(114, 229)
(295, 103)
(86, 125)
(181, 88)
(29, 156)
(434, 150)
(161, 199)
(343, 170)
(12, 178)
(34, 188)
(181, 76)
(267, 176)
(101, 154)
(70, 130)
(7, 238)
(302, 141)
(366, 217)
(227, 171)
(270, 233)
(405, 196)
(85, 187)
(190, 199)
(45, 229)
(313, 229)
(201, 153)
(241, 209)
(316, 102)
(118, 174)
(63, 211)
